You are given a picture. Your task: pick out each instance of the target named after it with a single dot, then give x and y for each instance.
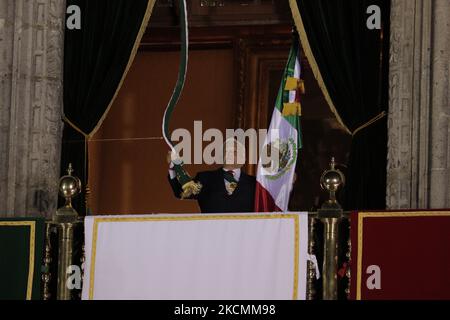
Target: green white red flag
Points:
(275, 178)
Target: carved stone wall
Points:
(419, 115)
(31, 61)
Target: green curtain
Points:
(353, 64)
(21, 258)
(96, 57)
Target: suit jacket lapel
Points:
(242, 180)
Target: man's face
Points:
(234, 154)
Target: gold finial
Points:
(332, 163)
(69, 188)
(331, 180)
(69, 169)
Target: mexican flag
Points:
(278, 157)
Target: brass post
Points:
(66, 221)
(65, 240)
(330, 261)
(331, 214)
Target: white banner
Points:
(196, 257)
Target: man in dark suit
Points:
(224, 190)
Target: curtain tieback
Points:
(369, 123)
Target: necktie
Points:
(229, 176)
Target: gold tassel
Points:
(293, 84)
(292, 109)
(191, 188)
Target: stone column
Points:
(439, 188)
(419, 111)
(31, 65)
